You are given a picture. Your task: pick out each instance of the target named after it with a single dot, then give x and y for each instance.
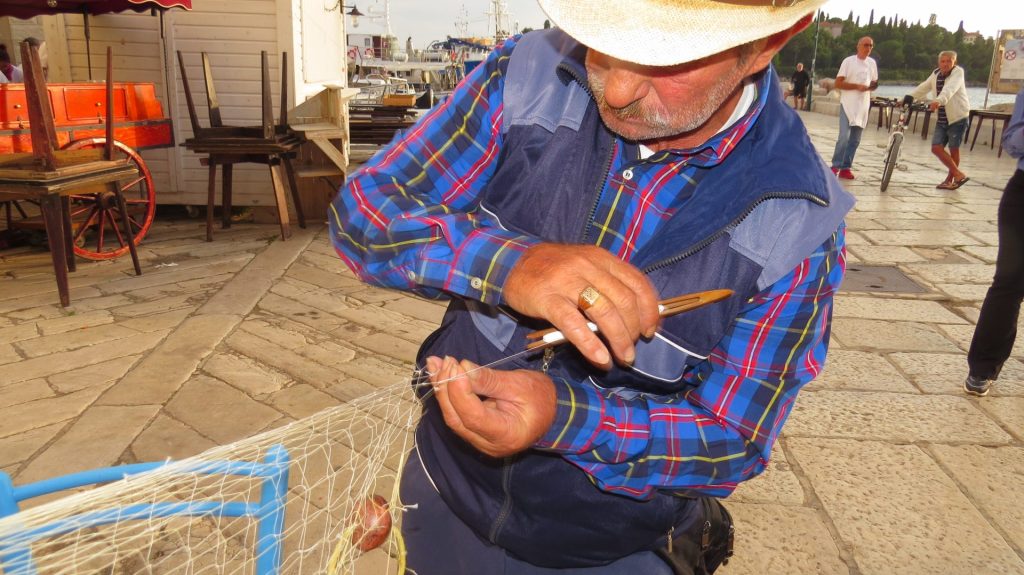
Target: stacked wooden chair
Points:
(49, 175)
(269, 143)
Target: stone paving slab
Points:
(897, 511)
(878, 335)
(101, 433)
(167, 437)
(954, 273)
(216, 410)
(779, 484)
(997, 490)
(895, 417)
(894, 309)
(919, 238)
(24, 392)
(49, 365)
(8, 354)
(782, 539)
(890, 222)
(100, 374)
(860, 370)
(15, 449)
(1007, 412)
(161, 373)
(885, 254)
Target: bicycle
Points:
(892, 151)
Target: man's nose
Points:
(623, 87)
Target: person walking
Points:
(857, 77)
(801, 80)
(996, 331)
(8, 71)
(635, 152)
(948, 92)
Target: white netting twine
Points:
(337, 459)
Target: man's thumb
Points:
(482, 381)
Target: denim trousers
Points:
(846, 145)
(997, 325)
(439, 543)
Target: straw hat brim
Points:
(668, 32)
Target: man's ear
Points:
(772, 44)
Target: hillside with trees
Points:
(906, 53)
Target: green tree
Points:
(906, 53)
(890, 55)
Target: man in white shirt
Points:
(857, 76)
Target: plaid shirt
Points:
(409, 220)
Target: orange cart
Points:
(78, 111)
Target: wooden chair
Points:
(269, 143)
(49, 175)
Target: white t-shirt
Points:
(855, 103)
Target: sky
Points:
(429, 20)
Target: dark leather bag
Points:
(704, 547)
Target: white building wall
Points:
(134, 39)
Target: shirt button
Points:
(476, 283)
(628, 174)
(411, 275)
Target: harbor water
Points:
(976, 94)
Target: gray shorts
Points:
(951, 134)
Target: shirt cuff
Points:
(579, 410)
(482, 263)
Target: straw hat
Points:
(666, 32)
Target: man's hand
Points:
(498, 412)
(546, 283)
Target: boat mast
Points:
(501, 20)
(462, 23)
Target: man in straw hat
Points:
(639, 151)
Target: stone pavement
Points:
(885, 466)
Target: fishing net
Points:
(298, 499)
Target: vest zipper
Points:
(714, 237)
(506, 506)
(600, 190)
(611, 152)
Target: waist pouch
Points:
(703, 546)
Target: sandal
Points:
(957, 183)
(944, 185)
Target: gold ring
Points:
(588, 297)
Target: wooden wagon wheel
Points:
(96, 218)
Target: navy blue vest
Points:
(749, 222)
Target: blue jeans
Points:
(846, 145)
(439, 543)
